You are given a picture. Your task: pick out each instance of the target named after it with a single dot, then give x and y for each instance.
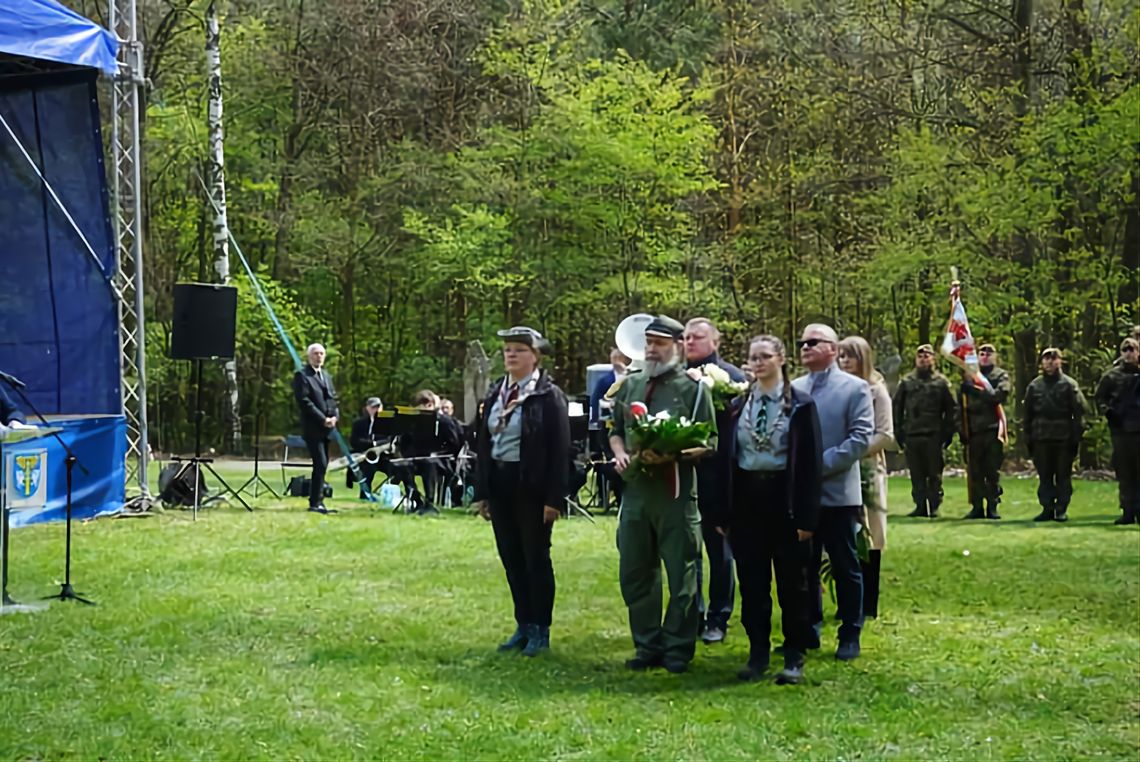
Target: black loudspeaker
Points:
(204, 319)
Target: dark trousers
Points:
(1054, 464)
(319, 452)
(924, 459)
(722, 583)
(523, 541)
(836, 534)
(764, 538)
(984, 456)
(1126, 461)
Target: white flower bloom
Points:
(716, 373)
(708, 381)
(663, 416)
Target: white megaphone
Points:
(630, 336)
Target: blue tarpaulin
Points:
(58, 316)
(100, 444)
(48, 31)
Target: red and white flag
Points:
(958, 346)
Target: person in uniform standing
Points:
(981, 424)
(926, 418)
(659, 523)
(1053, 416)
(1118, 397)
(521, 480)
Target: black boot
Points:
(934, 503)
(991, 508)
(517, 640)
(1061, 514)
(537, 640)
(1045, 515)
(976, 512)
(871, 584)
(1128, 517)
(919, 510)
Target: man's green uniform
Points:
(926, 418)
(655, 528)
(1118, 397)
(1053, 422)
(984, 451)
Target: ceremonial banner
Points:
(958, 346)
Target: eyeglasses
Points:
(812, 343)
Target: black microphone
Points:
(12, 380)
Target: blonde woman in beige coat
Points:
(857, 358)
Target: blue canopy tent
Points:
(59, 317)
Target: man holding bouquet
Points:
(663, 421)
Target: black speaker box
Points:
(205, 315)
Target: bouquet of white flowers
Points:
(721, 389)
(661, 439)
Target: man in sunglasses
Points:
(1118, 397)
(1053, 419)
(984, 449)
(926, 417)
(847, 422)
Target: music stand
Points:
(414, 423)
(257, 479)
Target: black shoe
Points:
(517, 640)
(641, 662)
(918, 513)
(1061, 516)
(753, 670)
(848, 650)
(975, 513)
(1045, 515)
(321, 509)
(993, 515)
(713, 634)
(537, 640)
(933, 513)
(791, 674)
(676, 666)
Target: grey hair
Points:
(313, 346)
(713, 330)
(827, 331)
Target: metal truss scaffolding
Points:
(126, 211)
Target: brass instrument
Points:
(370, 456)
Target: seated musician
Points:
(366, 436)
(433, 453)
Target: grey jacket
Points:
(847, 421)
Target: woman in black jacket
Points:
(523, 448)
(771, 468)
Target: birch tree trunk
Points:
(216, 182)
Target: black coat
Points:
(316, 400)
(805, 462)
(545, 446)
(361, 438)
(9, 411)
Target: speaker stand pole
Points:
(66, 592)
(256, 480)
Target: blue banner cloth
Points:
(59, 323)
(46, 30)
(100, 444)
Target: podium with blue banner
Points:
(22, 478)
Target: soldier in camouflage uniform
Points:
(984, 450)
(1053, 418)
(926, 418)
(1118, 397)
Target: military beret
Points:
(521, 334)
(924, 349)
(987, 347)
(666, 327)
(1052, 351)
(1129, 342)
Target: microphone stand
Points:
(66, 591)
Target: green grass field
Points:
(283, 634)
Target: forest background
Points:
(407, 176)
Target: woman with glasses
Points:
(857, 358)
(772, 472)
(522, 470)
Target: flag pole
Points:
(956, 293)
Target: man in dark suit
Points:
(316, 397)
